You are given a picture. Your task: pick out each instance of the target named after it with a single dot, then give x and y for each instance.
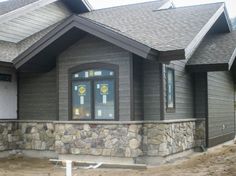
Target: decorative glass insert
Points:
(94, 73)
(170, 89)
(104, 99)
(81, 100)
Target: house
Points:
(138, 82)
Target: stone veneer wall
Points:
(169, 138)
(116, 139)
(27, 136)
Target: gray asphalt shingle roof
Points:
(11, 5)
(163, 30)
(215, 49)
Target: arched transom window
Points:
(94, 94)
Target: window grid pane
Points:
(170, 89)
(81, 100)
(104, 99)
(93, 73)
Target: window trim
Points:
(170, 109)
(94, 65)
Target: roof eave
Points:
(191, 48)
(171, 55)
(212, 66)
(208, 67)
(6, 64)
(86, 26)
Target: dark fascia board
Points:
(207, 67)
(6, 64)
(87, 26)
(42, 43)
(213, 66)
(167, 56)
(99, 31)
(113, 37)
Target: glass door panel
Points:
(81, 100)
(104, 99)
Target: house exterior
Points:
(136, 83)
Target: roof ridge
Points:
(196, 5)
(119, 6)
(186, 7)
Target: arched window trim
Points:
(88, 66)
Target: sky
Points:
(230, 4)
(98, 4)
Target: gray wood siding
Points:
(8, 95)
(184, 96)
(151, 90)
(200, 99)
(138, 88)
(38, 97)
(91, 49)
(220, 104)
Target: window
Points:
(170, 90)
(94, 94)
(5, 77)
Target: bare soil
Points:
(218, 162)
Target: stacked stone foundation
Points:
(104, 139)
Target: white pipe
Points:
(68, 168)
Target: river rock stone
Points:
(113, 140)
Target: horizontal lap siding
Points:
(8, 95)
(184, 92)
(151, 90)
(38, 96)
(220, 103)
(91, 49)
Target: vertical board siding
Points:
(8, 95)
(88, 50)
(184, 92)
(38, 96)
(151, 90)
(220, 104)
(138, 88)
(200, 99)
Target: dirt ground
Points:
(218, 162)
